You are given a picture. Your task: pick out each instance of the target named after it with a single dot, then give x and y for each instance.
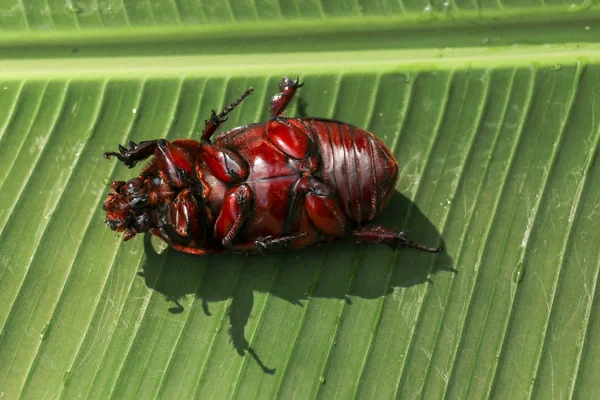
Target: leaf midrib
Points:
(348, 61)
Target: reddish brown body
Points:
(286, 183)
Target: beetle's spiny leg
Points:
(124, 158)
(136, 152)
(227, 109)
(417, 246)
(233, 215)
(264, 245)
(215, 120)
(269, 242)
(280, 101)
(402, 241)
(395, 240)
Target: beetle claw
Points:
(217, 119)
(269, 242)
(260, 248)
(124, 156)
(287, 84)
(261, 244)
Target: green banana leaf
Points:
(490, 108)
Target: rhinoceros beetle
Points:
(287, 183)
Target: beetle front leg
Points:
(396, 240)
(172, 159)
(135, 153)
(281, 100)
(215, 120)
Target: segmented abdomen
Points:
(357, 165)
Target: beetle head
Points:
(128, 207)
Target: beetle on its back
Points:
(288, 183)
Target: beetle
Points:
(287, 183)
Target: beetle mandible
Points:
(288, 183)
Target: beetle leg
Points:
(186, 219)
(233, 214)
(186, 249)
(172, 158)
(293, 140)
(396, 240)
(280, 101)
(197, 251)
(225, 164)
(135, 153)
(215, 120)
(175, 161)
(231, 219)
(265, 244)
(322, 206)
(324, 210)
(268, 243)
